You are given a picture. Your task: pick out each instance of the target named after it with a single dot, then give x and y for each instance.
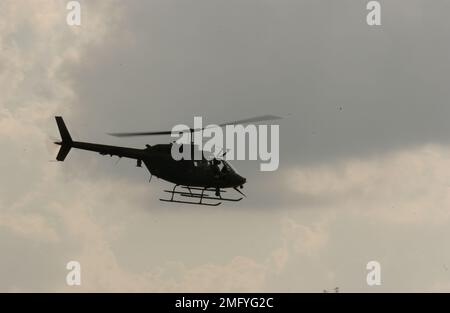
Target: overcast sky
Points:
(365, 156)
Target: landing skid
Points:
(188, 193)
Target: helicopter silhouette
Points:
(196, 178)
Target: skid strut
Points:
(198, 193)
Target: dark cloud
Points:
(349, 89)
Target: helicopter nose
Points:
(243, 180)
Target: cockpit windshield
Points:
(221, 165)
(228, 166)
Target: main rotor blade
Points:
(140, 134)
(245, 121)
(261, 118)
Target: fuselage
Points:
(160, 163)
(198, 173)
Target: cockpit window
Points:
(228, 167)
(222, 166)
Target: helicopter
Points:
(199, 180)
